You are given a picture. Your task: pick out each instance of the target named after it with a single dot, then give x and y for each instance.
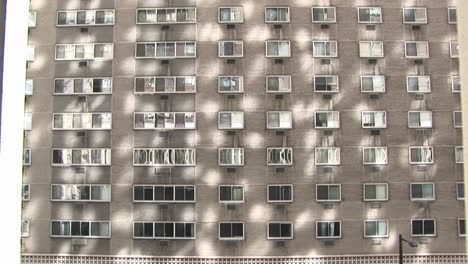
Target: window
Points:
(164, 157)
(277, 193)
(82, 121)
(164, 120)
(278, 48)
(80, 229)
(230, 120)
(172, 15)
(279, 156)
(164, 230)
(375, 228)
(231, 49)
(420, 119)
(165, 84)
(327, 156)
(230, 84)
(461, 227)
(457, 119)
(421, 155)
(328, 229)
(373, 84)
(374, 155)
(280, 230)
(414, 15)
(375, 192)
(102, 17)
(165, 50)
(30, 53)
(231, 231)
(27, 156)
(231, 156)
(83, 86)
(456, 84)
(29, 87)
(418, 84)
(371, 49)
(325, 49)
(231, 194)
(278, 84)
(326, 14)
(81, 192)
(328, 192)
(327, 119)
(275, 14)
(459, 154)
(326, 84)
(454, 49)
(460, 191)
(27, 122)
(422, 192)
(452, 15)
(279, 120)
(164, 193)
(81, 157)
(84, 51)
(26, 192)
(231, 15)
(369, 15)
(423, 227)
(416, 49)
(374, 119)
(24, 228)
(32, 19)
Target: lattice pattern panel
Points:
(370, 259)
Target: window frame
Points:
(156, 9)
(417, 56)
(421, 125)
(280, 90)
(450, 20)
(424, 220)
(231, 238)
(26, 192)
(385, 162)
(333, 21)
(376, 221)
(421, 162)
(231, 186)
(269, 41)
(374, 118)
(90, 222)
(373, 84)
(291, 223)
(52, 199)
(327, 237)
(166, 89)
(375, 199)
(234, 43)
(290, 117)
(328, 193)
(88, 44)
(242, 157)
(27, 157)
(240, 79)
(291, 189)
(329, 149)
(29, 87)
(107, 152)
(372, 54)
(231, 22)
(422, 184)
(278, 22)
(92, 79)
(231, 127)
(172, 116)
(173, 186)
(289, 150)
(191, 151)
(415, 22)
(336, 78)
(421, 79)
(459, 197)
(457, 156)
(370, 21)
(82, 116)
(154, 237)
(25, 231)
(454, 77)
(30, 53)
(459, 221)
(453, 54)
(32, 19)
(455, 125)
(328, 112)
(326, 42)
(169, 42)
(94, 24)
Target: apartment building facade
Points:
(262, 131)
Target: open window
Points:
(278, 48)
(279, 156)
(81, 157)
(280, 193)
(375, 228)
(230, 84)
(416, 49)
(81, 192)
(278, 84)
(279, 120)
(423, 227)
(374, 155)
(164, 120)
(231, 194)
(323, 14)
(325, 49)
(374, 119)
(277, 14)
(418, 84)
(162, 157)
(326, 83)
(328, 192)
(370, 15)
(82, 86)
(327, 156)
(328, 229)
(375, 192)
(371, 49)
(231, 231)
(373, 84)
(166, 15)
(422, 191)
(230, 120)
(98, 17)
(280, 230)
(231, 156)
(230, 49)
(420, 119)
(327, 119)
(165, 85)
(414, 15)
(82, 121)
(230, 15)
(421, 155)
(164, 193)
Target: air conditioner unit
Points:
(164, 243)
(79, 242)
(164, 62)
(164, 97)
(327, 169)
(419, 97)
(328, 242)
(80, 171)
(230, 61)
(415, 27)
(418, 62)
(375, 132)
(376, 242)
(372, 61)
(231, 206)
(277, 26)
(327, 96)
(280, 243)
(280, 169)
(328, 205)
(370, 27)
(373, 96)
(162, 170)
(325, 61)
(279, 133)
(421, 132)
(280, 206)
(328, 132)
(279, 61)
(421, 168)
(324, 26)
(375, 205)
(231, 132)
(231, 170)
(230, 26)
(231, 96)
(165, 27)
(84, 30)
(83, 64)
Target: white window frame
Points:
(235, 45)
(384, 162)
(284, 84)
(421, 79)
(29, 87)
(379, 21)
(334, 123)
(459, 194)
(85, 81)
(30, 53)
(233, 237)
(88, 46)
(330, 150)
(378, 221)
(430, 148)
(336, 79)
(283, 124)
(459, 158)
(281, 237)
(285, 152)
(278, 42)
(371, 52)
(169, 157)
(170, 84)
(240, 113)
(424, 235)
(24, 228)
(232, 21)
(291, 189)
(93, 22)
(324, 10)
(26, 192)
(86, 120)
(232, 151)
(375, 81)
(231, 78)
(326, 237)
(186, 55)
(454, 50)
(328, 193)
(419, 46)
(231, 201)
(150, 120)
(77, 194)
(460, 225)
(172, 201)
(90, 222)
(104, 153)
(450, 20)
(377, 126)
(277, 22)
(415, 10)
(455, 114)
(422, 184)
(176, 9)
(420, 115)
(329, 45)
(374, 199)
(456, 79)
(27, 158)
(32, 19)
(194, 228)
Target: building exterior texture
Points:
(230, 129)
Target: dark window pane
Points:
(159, 229)
(189, 230)
(287, 193)
(225, 230)
(179, 230)
(85, 228)
(274, 230)
(169, 230)
(138, 229)
(179, 193)
(225, 193)
(429, 227)
(286, 230)
(273, 193)
(56, 228)
(417, 227)
(168, 193)
(159, 193)
(148, 229)
(189, 194)
(138, 193)
(322, 192)
(462, 227)
(148, 193)
(237, 229)
(416, 190)
(84, 190)
(75, 228)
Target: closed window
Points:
(163, 230)
(456, 84)
(454, 49)
(278, 84)
(274, 14)
(457, 119)
(280, 230)
(82, 121)
(416, 49)
(461, 227)
(279, 120)
(460, 191)
(29, 87)
(102, 17)
(30, 53)
(328, 192)
(231, 156)
(418, 84)
(423, 227)
(373, 84)
(375, 228)
(81, 157)
(414, 15)
(80, 229)
(325, 49)
(452, 15)
(280, 193)
(230, 120)
(164, 193)
(374, 155)
(370, 15)
(165, 120)
(326, 84)
(421, 155)
(86, 51)
(420, 119)
(459, 154)
(230, 84)
(279, 156)
(234, 49)
(327, 119)
(166, 50)
(26, 192)
(278, 48)
(326, 14)
(164, 157)
(165, 84)
(231, 231)
(27, 121)
(327, 156)
(172, 15)
(82, 86)
(27, 156)
(24, 228)
(371, 49)
(231, 193)
(231, 15)
(81, 192)
(374, 119)
(32, 19)
(422, 192)
(375, 192)
(328, 229)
